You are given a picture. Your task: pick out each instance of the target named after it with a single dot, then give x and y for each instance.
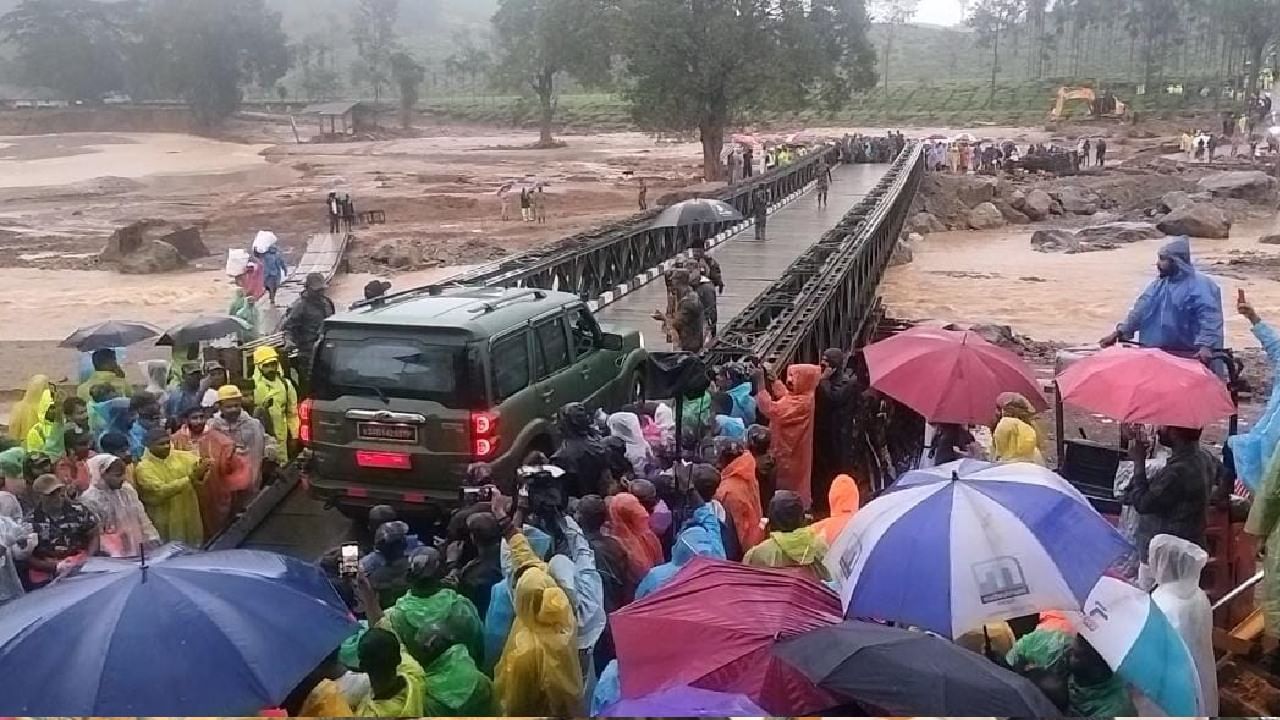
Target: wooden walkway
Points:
(750, 267)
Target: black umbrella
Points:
(697, 212)
(910, 673)
(109, 334)
(205, 327)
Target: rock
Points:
(1269, 239)
(1171, 201)
(188, 243)
(1010, 215)
(138, 236)
(902, 255)
(397, 255)
(976, 190)
(1053, 240)
(1077, 201)
(1001, 335)
(153, 256)
(1246, 184)
(1121, 233)
(1196, 220)
(1018, 199)
(985, 216)
(913, 238)
(1038, 205)
(924, 223)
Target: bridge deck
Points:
(750, 267)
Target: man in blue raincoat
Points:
(1181, 311)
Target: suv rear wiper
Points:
(376, 390)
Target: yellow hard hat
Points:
(229, 392)
(265, 354)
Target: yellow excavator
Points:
(1108, 106)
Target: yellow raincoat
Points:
(1015, 441)
(409, 702)
(167, 489)
(104, 377)
(325, 700)
(283, 411)
(539, 674)
(797, 549)
(31, 408)
(1264, 517)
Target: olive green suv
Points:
(408, 390)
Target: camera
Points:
(472, 495)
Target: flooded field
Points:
(996, 277)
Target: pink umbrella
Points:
(1146, 385)
(949, 376)
(714, 625)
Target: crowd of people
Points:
(963, 155)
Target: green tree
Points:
(376, 42)
(75, 47)
(1255, 23)
(893, 14)
(409, 75)
(990, 19)
(539, 42)
(697, 64)
(319, 81)
(206, 52)
(469, 59)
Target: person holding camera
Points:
(582, 456)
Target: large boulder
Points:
(924, 223)
(1038, 205)
(138, 236)
(1269, 239)
(1001, 335)
(153, 256)
(974, 190)
(1077, 201)
(1196, 220)
(1053, 240)
(985, 216)
(1017, 200)
(399, 255)
(1121, 233)
(1173, 200)
(1246, 184)
(1010, 215)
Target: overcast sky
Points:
(939, 12)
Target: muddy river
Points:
(996, 277)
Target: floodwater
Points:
(996, 277)
(44, 160)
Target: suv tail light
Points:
(484, 435)
(304, 418)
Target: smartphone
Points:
(349, 563)
(477, 494)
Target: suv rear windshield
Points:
(395, 367)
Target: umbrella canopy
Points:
(736, 613)
(205, 327)
(1146, 385)
(111, 334)
(1131, 633)
(957, 546)
(697, 212)
(225, 633)
(685, 701)
(949, 376)
(908, 673)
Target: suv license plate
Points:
(383, 432)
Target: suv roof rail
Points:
(493, 305)
(431, 290)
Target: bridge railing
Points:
(599, 260)
(826, 297)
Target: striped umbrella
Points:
(954, 547)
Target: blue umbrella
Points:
(225, 633)
(954, 547)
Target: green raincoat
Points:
(457, 688)
(1264, 516)
(413, 612)
(799, 548)
(411, 699)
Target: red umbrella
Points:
(949, 376)
(1146, 385)
(714, 627)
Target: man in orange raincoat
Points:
(739, 492)
(790, 409)
(844, 502)
(228, 471)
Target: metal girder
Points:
(599, 260)
(826, 297)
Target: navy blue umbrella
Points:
(224, 633)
